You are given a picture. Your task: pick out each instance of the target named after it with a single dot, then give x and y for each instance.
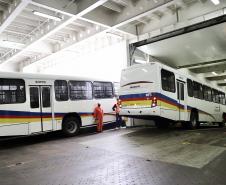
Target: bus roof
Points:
(45, 76)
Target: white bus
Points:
(31, 104)
(160, 93)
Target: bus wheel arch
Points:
(71, 124)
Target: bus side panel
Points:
(15, 129)
(84, 108)
(11, 121)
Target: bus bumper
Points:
(140, 112)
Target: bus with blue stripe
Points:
(158, 92)
(32, 104)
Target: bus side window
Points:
(222, 98)
(216, 98)
(61, 90)
(190, 87)
(80, 90)
(207, 93)
(168, 81)
(12, 91)
(198, 90)
(103, 90)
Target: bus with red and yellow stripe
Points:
(158, 92)
(35, 103)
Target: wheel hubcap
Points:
(71, 127)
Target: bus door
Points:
(41, 109)
(181, 99)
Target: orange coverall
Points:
(99, 114)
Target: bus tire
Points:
(194, 122)
(71, 126)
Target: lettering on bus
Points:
(136, 86)
(40, 82)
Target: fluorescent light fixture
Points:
(214, 73)
(47, 16)
(11, 44)
(140, 61)
(216, 2)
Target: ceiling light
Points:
(216, 2)
(224, 79)
(214, 73)
(140, 61)
(11, 44)
(47, 16)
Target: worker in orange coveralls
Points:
(98, 115)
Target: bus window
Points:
(80, 90)
(12, 91)
(207, 93)
(61, 90)
(103, 90)
(197, 90)
(190, 87)
(34, 97)
(222, 98)
(168, 80)
(216, 97)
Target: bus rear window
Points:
(12, 91)
(168, 80)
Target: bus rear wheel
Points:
(71, 126)
(194, 122)
(222, 124)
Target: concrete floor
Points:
(135, 156)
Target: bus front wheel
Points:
(71, 126)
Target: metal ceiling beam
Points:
(82, 23)
(84, 7)
(221, 84)
(74, 28)
(25, 21)
(130, 13)
(16, 10)
(215, 78)
(181, 31)
(201, 64)
(112, 6)
(6, 1)
(50, 5)
(207, 69)
(121, 2)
